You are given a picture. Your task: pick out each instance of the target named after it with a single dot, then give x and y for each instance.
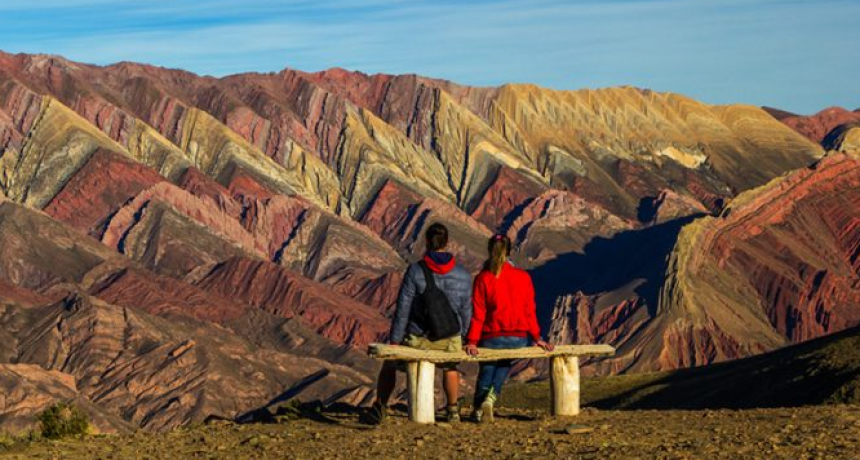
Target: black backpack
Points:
(432, 310)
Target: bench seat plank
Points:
(403, 353)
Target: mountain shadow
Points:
(610, 264)
(825, 370)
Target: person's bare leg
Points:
(451, 384)
(385, 384)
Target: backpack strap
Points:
(428, 276)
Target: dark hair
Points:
(436, 237)
(499, 249)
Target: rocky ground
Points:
(810, 432)
(799, 402)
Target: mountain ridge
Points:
(293, 201)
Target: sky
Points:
(798, 55)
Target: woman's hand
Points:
(546, 346)
(471, 350)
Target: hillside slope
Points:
(779, 265)
(278, 212)
(821, 371)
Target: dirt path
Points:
(817, 432)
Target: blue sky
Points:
(795, 54)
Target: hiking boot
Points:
(452, 414)
(377, 413)
(486, 410)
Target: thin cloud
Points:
(754, 51)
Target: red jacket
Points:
(503, 306)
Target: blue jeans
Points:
(494, 373)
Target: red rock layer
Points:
(244, 186)
(12, 293)
(559, 222)
(406, 102)
(161, 295)
(797, 245)
(583, 319)
(288, 230)
(284, 108)
(687, 345)
(37, 252)
(29, 389)
(400, 217)
(202, 186)
(10, 137)
(779, 265)
(204, 211)
(816, 127)
(161, 374)
(288, 294)
(103, 185)
(668, 206)
(578, 169)
(507, 192)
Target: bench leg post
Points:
(564, 380)
(420, 379)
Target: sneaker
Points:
(377, 413)
(452, 414)
(477, 416)
(487, 407)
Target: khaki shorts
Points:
(452, 344)
(423, 343)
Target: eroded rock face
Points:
(777, 266)
(338, 137)
(401, 217)
(37, 252)
(807, 222)
(441, 139)
(844, 138)
(784, 253)
(816, 127)
(164, 296)
(167, 238)
(161, 374)
(558, 222)
(29, 389)
(287, 294)
(99, 189)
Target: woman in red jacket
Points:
(504, 316)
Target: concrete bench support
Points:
(564, 381)
(421, 366)
(420, 378)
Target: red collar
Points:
(440, 268)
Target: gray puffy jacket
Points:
(457, 286)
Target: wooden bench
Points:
(421, 367)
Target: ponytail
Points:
(499, 248)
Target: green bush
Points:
(6, 441)
(62, 420)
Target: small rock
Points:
(578, 429)
(255, 440)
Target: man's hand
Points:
(471, 350)
(546, 346)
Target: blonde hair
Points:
(499, 248)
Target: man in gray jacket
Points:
(406, 329)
